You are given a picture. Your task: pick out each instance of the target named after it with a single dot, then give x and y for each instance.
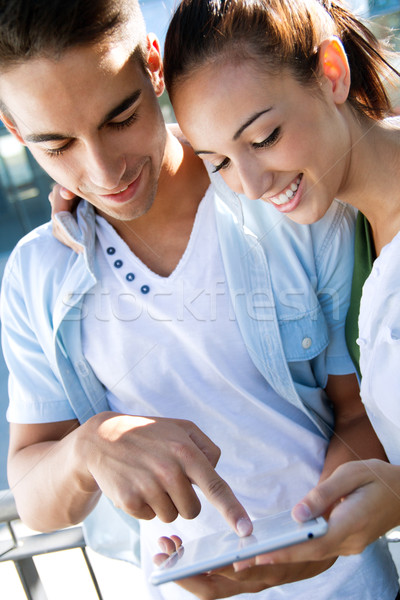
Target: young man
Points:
(180, 309)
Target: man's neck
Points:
(159, 237)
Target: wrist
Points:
(85, 450)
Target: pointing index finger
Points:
(218, 492)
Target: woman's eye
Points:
(270, 140)
(125, 123)
(221, 165)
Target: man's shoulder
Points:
(39, 248)
(37, 267)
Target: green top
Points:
(364, 256)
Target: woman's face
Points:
(269, 136)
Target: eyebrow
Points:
(122, 107)
(240, 130)
(38, 138)
(249, 122)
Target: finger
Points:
(344, 480)
(167, 545)
(159, 559)
(210, 450)
(242, 565)
(67, 194)
(167, 491)
(61, 199)
(215, 489)
(218, 492)
(213, 585)
(333, 543)
(274, 575)
(306, 551)
(163, 506)
(177, 541)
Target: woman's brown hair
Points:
(280, 34)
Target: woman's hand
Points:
(63, 203)
(363, 498)
(227, 582)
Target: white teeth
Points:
(287, 194)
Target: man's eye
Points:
(223, 165)
(270, 140)
(54, 152)
(125, 123)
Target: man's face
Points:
(92, 121)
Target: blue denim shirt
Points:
(289, 286)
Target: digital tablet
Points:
(225, 547)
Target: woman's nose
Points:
(255, 180)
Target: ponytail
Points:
(368, 66)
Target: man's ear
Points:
(12, 128)
(154, 64)
(334, 65)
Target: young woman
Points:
(286, 100)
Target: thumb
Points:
(343, 481)
(317, 502)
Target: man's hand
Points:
(227, 582)
(63, 203)
(364, 500)
(148, 466)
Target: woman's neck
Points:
(373, 181)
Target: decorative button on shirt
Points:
(306, 343)
(110, 250)
(130, 276)
(145, 289)
(118, 264)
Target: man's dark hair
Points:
(47, 28)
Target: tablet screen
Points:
(225, 547)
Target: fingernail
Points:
(301, 512)
(162, 545)
(244, 527)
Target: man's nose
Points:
(105, 167)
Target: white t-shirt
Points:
(170, 346)
(379, 340)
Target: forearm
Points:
(50, 483)
(353, 436)
(352, 440)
